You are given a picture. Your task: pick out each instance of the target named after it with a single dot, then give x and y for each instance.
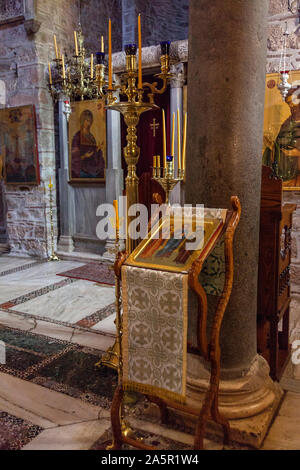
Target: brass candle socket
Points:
(168, 180)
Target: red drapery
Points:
(150, 141)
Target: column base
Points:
(249, 402)
(109, 255)
(65, 244)
(243, 397)
(4, 248)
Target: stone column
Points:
(4, 246)
(226, 80)
(66, 191)
(114, 173)
(176, 100)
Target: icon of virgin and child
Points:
(86, 155)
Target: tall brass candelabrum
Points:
(131, 110)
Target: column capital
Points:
(178, 81)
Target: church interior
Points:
(116, 331)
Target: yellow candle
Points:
(184, 141)
(102, 44)
(164, 139)
(63, 67)
(109, 57)
(55, 46)
(50, 76)
(178, 140)
(158, 161)
(154, 161)
(115, 203)
(173, 135)
(50, 184)
(92, 65)
(140, 80)
(76, 43)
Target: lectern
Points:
(152, 332)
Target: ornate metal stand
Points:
(53, 256)
(131, 110)
(168, 180)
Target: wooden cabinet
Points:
(274, 274)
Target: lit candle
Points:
(50, 184)
(115, 203)
(109, 57)
(92, 65)
(178, 140)
(63, 67)
(184, 141)
(173, 134)
(75, 42)
(50, 76)
(154, 161)
(164, 139)
(140, 81)
(55, 46)
(102, 44)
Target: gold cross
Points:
(154, 125)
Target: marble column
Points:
(226, 80)
(176, 102)
(4, 246)
(114, 173)
(66, 191)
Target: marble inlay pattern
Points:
(71, 303)
(103, 313)
(15, 265)
(16, 432)
(37, 293)
(58, 365)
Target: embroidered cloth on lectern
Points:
(154, 342)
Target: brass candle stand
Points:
(166, 177)
(139, 100)
(112, 357)
(53, 256)
(78, 78)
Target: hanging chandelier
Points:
(284, 86)
(77, 77)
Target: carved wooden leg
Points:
(202, 420)
(218, 418)
(116, 419)
(215, 413)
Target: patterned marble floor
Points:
(53, 396)
(33, 296)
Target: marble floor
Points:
(52, 396)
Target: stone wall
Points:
(161, 20)
(94, 17)
(26, 46)
(281, 18)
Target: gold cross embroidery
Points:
(154, 125)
